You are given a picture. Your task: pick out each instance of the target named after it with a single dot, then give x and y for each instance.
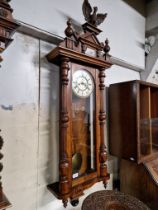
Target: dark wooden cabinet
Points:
(140, 181)
(133, 120)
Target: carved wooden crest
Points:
(7, 25)
(85, 43)
(91, 15)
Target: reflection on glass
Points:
(154, 124)
(83, 139)
(145, 145)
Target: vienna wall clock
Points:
(82, 61)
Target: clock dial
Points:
(82, 83)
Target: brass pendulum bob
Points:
(76, 160)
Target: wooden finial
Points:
(69, 31)
(106, 47)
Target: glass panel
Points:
(83, 139)
(154, 124)
(145, 121)
(154, 118)
(145, 145)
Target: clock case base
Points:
(75, 194)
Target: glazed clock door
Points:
(83, 121)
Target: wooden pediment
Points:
(83, 46)
(90, 40)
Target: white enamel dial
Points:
(82, 83)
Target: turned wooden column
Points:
(1, 165)
(4, 203)
(102, 119)
(64, 165)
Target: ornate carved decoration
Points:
(91, 15)
(102, 78)
(7, 25)
(69, 31)
(106, 47)
(64, 70)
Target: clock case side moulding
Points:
(72, 51)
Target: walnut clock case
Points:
(82, 61)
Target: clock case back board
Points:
(80, 52)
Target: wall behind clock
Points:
(124, 26)
(29, 94)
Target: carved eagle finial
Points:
(91, 15)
